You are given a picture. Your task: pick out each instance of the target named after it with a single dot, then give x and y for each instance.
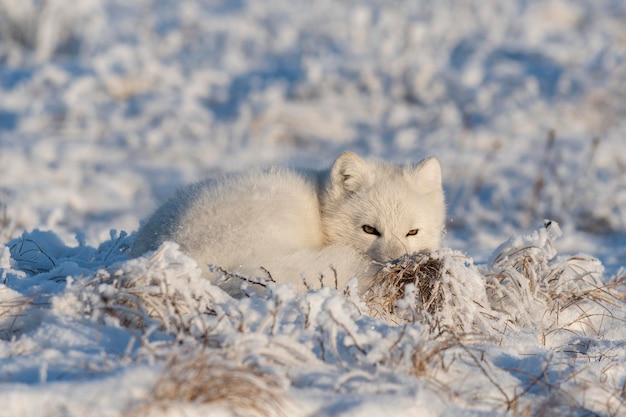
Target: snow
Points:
(107, 106)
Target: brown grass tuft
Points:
(388, 287)
(208, 378)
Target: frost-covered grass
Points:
(528, 333)
(106, 106)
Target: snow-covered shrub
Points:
(164, 290)
(531, 286)
(443, 289)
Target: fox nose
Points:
(395, 249)
(389, 250)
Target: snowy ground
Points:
(106, 106)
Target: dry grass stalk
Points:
(136, 301)
(13, 315)
(7, 227)
(210, 379)
(429, 354)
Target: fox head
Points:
(382, 210)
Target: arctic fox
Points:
(308, 228)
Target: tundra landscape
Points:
(108, 106)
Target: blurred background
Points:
(106, 106)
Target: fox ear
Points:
(427, 175)
(348, 172)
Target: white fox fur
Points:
(298, 226)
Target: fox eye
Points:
(413, 232)
(370, 230)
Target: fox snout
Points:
(386, 250)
